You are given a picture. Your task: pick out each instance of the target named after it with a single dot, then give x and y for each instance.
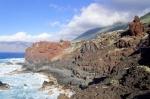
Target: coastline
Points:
(97, 66)
(52, 89)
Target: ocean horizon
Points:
(8, 55)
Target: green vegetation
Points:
(146, 18)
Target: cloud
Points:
(135, 5)
(133, 2)
(23, 36)
(92, 16)
(95, 15)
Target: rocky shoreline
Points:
(107, 67)
(4, 86)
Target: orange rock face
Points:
(42, 52)
(136, 27)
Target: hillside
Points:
(14, 46)
(113, 65)
(146, 18)
(91, 34)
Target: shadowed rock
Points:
(4, 86)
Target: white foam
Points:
(25, 85)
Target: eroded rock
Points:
(44, 52)
(136, 27)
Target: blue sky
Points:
(31, 20)
(36, 16)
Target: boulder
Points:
(4, 86)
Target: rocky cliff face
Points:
(43, 52)
(85, 60)
(101, 65)
(136, 27)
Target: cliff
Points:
(108, 64)
(43, 52)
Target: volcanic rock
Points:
(136, 27)
(44, 52)
(110, 58)
(4, 86)
(62, 96)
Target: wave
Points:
(10, 64)
(12, 60)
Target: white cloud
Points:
(145, 11)
(94, 15)
(23, 36)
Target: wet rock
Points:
(4, 86)
(47, 85)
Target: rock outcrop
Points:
(109, 58)
(4, 86)
(85, 60)
(44, 52)
(136, 27)
(132, 84)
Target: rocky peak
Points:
(136, 27)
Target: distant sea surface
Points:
(5, 55)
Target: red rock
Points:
(42, 52)
(136, 27)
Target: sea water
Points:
(23, 85)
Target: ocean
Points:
(4, 55)
(24, 85)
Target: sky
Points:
(52, 20)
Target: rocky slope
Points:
(146, 18)
(91, 34)
(107, 67)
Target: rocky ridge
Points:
(108, 64)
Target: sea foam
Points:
(25, 85)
